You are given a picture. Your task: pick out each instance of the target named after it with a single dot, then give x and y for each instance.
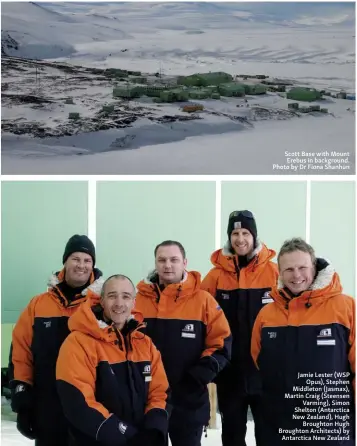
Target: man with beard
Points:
(242, 276)
(36, 340)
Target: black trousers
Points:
(182, 433)
(54, 441)
(234, 412)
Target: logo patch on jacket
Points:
(188, 331)
(325, 333)
(321, 337)
(147, 373)
(122, 428)
(266, 299)
(20, 388)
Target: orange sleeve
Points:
(352, 342)
(159, 385)
(156, 410)
(218, 344)
(218, 332)
(81, 374)
(256, 339)
(76, 380)
(21, 359)
(209, 283)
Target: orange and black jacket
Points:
(111, 383)
(311, 334)
(36, 340)
(242, 292)
(193, 336)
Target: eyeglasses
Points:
(246, 214)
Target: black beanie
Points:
(79, 243)
(244, 220)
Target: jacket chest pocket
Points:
(326, 348)
(273, 357)
(48, 336)
(228, 303)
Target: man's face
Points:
(78, 268)
(242, 241)
(118, 301)
(170, 264)
(297, 271)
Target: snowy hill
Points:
(282, 13)
(57, 34)
(311, 44)
(98, 29)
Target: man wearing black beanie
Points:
(242, 276)
(37, 338)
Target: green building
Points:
(305, 109)
(174, 95)
(115, 72)
(205, 79)
(258, 89)
(254, 88)
(303, 94)
(154, 91)
(293, 105)
(315, 107)
(231, 90)
(129, 91)
(200, 94)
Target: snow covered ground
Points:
(11, 437)
(214, 146)
(313, 45)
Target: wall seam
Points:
(308, 212)
(92, 211)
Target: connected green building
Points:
(304, 94)
(204, 79)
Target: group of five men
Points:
(96, 362)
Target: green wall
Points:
(37, 218)
(279, 208)
(333, 228)
(133, 217)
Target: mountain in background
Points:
(279, 13)
(58, 30)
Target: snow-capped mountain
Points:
(35, 31)
(58, 30)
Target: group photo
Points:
(181, 313)
(178, 223)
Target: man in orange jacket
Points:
(110, 377)
(242, 276)
(192, 334)
(304, 346)
(37, 338)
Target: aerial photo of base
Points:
(178, 88)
